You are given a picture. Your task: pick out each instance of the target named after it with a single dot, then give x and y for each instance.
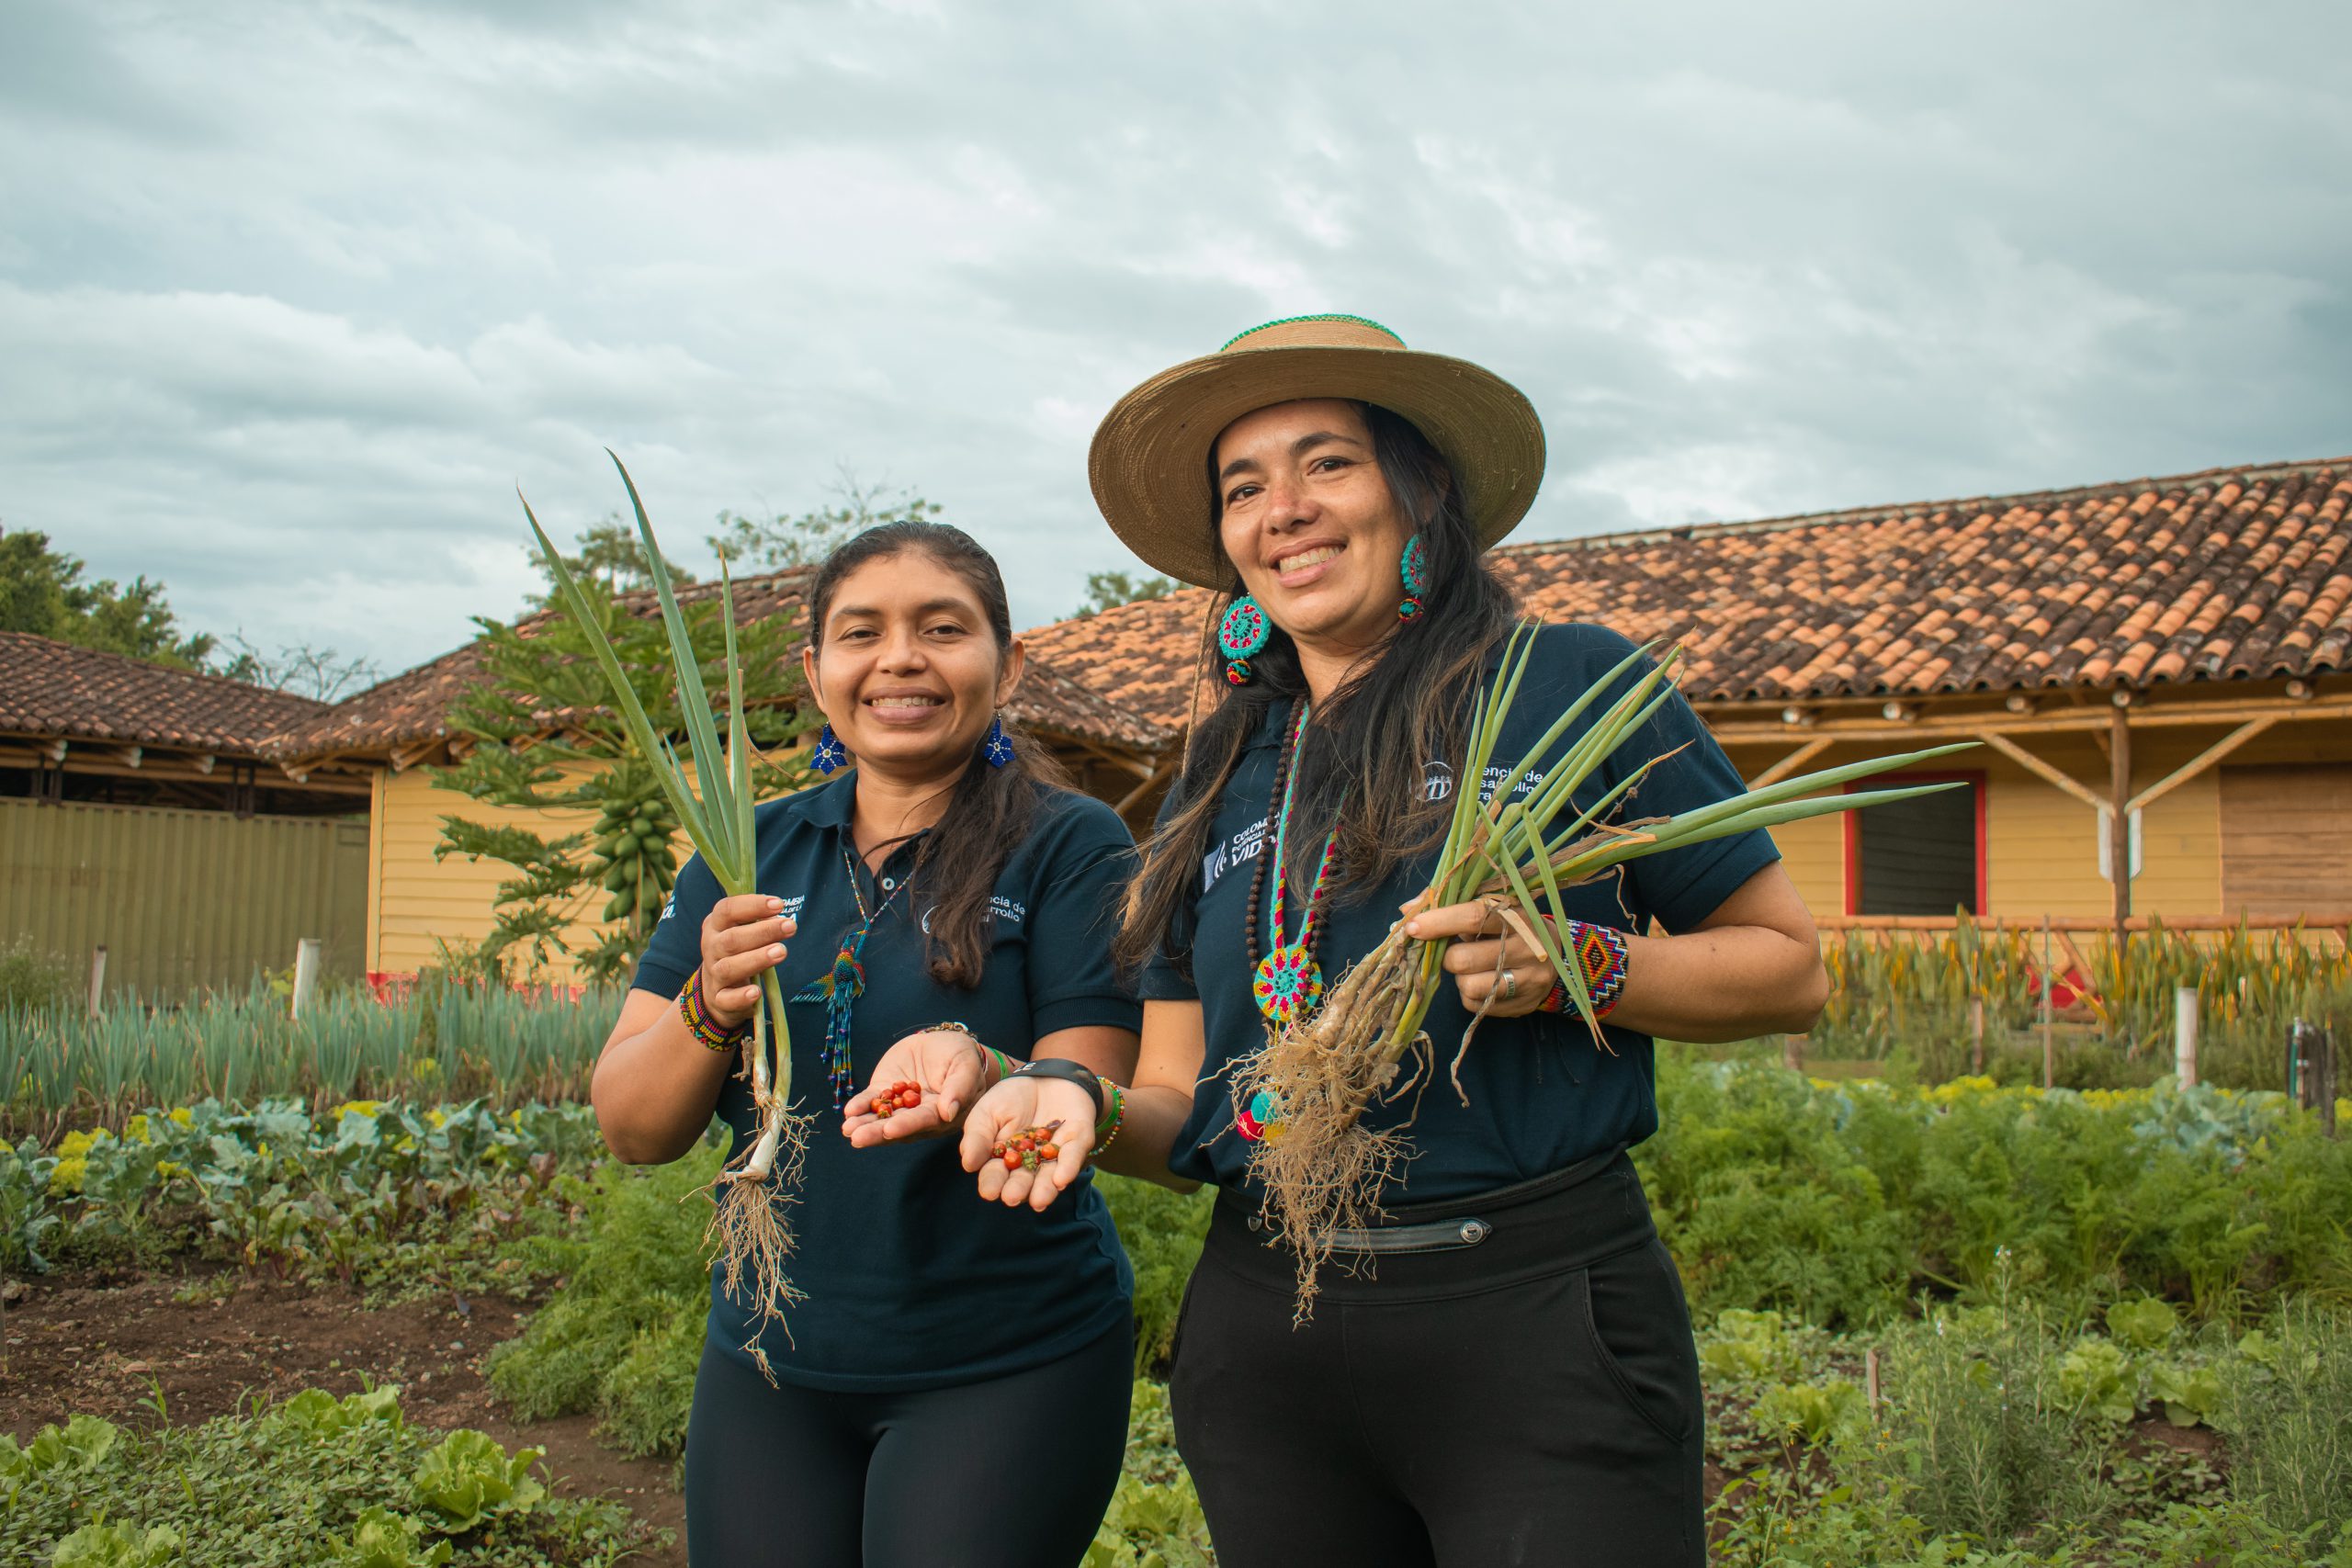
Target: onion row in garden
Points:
(61, 1064)
(748, 1222)
(1325, 1170)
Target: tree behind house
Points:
(42, 592)
(778, 543)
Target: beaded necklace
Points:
(1287, 982)
(840, 987)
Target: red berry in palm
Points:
(1012, 1160)
(1051, 1151)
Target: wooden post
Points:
(306, 973)
(2048, 1052)
(1976, 1034)
(2326, 1076)
(2118, 826)
(2184, 1035)
(97, 977)
(1869, 1377)
(1792, 1052)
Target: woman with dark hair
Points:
(947, 1354)
(1502, 1370)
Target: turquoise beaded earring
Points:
(1241, 635)
(1415, 569)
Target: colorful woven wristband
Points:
(707, 1031)
(1600, 952)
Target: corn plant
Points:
(1325, 1170)
(748, 1223)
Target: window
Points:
(1921, 856)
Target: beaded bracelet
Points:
(1600, 952)
(712, 1034)
(1114, 1122)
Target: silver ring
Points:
(1511, 986)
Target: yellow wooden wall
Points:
(413, 899)
(2042, 845)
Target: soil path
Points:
(108, 1348)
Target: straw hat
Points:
(1149, 463)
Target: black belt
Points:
(1566, 1219)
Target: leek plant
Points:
(748, 1222)
(1322, 1169)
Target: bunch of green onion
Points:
(748, 1223)
(1322, 1169)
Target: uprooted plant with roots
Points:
(1322, 1169)
(748, 1226)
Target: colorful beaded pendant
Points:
(1287, 983)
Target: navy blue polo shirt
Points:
(913, 1281)
(1541, 1094)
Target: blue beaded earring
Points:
(830, 756)
(1415, 569)
(997, 746)
(1241, 635)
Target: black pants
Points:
(1012, 1473)
(1528, 1398)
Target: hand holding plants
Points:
(945, 1065)
(1489, 938)
(1022, 1105)
(742, 938)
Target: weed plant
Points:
(34, 980)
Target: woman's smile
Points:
(903, 709)
(1297, 566)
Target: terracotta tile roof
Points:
(2229, 574)
(52, 689)
(412, 706)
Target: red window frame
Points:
(1853, 827)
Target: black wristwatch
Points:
(1062, 1067)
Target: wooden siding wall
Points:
(180, 899)
(417, 902)
(2287, 838)
(2041, 849)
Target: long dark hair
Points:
(991, 809)
(1360, 763)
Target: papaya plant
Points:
(536, 732)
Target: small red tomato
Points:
(1012, 1160)
(1051, 1151)
(909, 1099)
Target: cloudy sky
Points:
(292, 296)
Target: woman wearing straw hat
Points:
(1515, 1382)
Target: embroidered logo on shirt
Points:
(1437, 780)
(1242, 848)
(1493, 782)
(1010, 912)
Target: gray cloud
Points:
(292, 296)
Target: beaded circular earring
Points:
(1241, 635)
(1415, 569)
